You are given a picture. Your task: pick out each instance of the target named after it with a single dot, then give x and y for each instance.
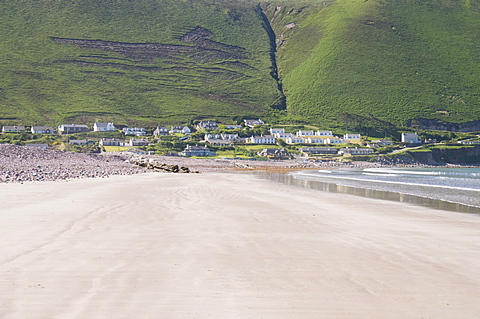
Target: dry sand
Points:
(225, 245)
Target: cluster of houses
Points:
(224, 139)
(97, 127)
(300, 137)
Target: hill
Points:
(362, 65)
(348, 62)
(133, 61)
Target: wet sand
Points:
(226, 245)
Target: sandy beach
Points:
(228, 245)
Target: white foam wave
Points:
(385, 182)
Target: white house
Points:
(42, 130)
(283, 135)
(181, 129)
(382, 142)
(253, 123)
(318, 150)
(218, 142)
(274, 153)
(305, 133)
(138, 142)
(111, 142)
(294, 140)
(274, 131)
(13, 129)
(334, 140)
(314, 140)
(72, 128)
(207, 125)
(411, 138)
(160, 130)
(323, 133)
(194, 150)
(355, 151)
(352, 136)
(212, 136)
(264, 139)
(137, 131)
(229, 137)
(103, 127)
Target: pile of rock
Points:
(158, 167)
(20, 164)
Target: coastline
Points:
(229, 245)
(289, 178)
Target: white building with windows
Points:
(137, 131)
(411, 138)
(72, 128)
(103, 127)
(295, 140)
(180, 129)
(334, 140)
(274, 131)
(42, 130)
(352, 136)
(314, 140)
(324, 133)
(253, 123)
(283, 135)
(355, 151)
(305, 133)
(263, 139)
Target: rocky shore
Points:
(21, 164)
(26, 164)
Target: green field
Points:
(351, 65)
(208, 60)
(392, 60)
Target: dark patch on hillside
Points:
(381, 25)
(202, 50)
(177, 63)
(438, 125)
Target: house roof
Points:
(13, 127)
(196, 148)
(42, 127)
(73, 125)
(101, 124)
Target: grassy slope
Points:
(395, 60)
(40, 83)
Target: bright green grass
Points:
(116, 148)
(40, 84)
(392, 60)
(395, 60)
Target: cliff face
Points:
(429, 124)
(464, 155)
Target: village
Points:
(253, 139)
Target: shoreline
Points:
(386, 195)
(228, 245)
(21, 164)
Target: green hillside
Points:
(394, 60)
(340, 63)
(152, 61)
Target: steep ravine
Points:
(281, 103)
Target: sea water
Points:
(456, 189)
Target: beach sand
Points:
(227, 245)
